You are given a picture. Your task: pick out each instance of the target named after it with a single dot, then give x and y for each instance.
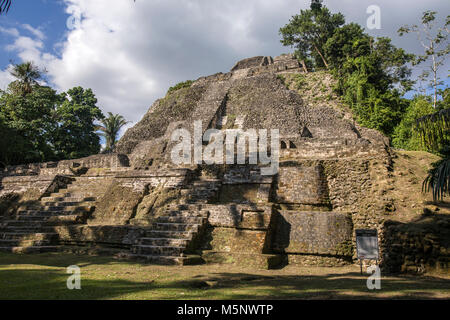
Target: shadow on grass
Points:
(45, 278)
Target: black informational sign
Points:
(367, 244)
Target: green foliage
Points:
(38, 125)
(309, 31)
(370, 71)
(185, 84)
(434, 130)
(110, 128)
(438, 179)
(27, 75)
(445, 102)
(281, 78)
(299, 81)
(366, 84)
(405, 137)
(75, 135)
(29, 123)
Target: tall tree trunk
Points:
(320, 54)
(304, 66)
(435, 84)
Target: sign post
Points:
(367, 245)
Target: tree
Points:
(29, 123)
(404, 137)
(370, 73)
(309, 31)
(434, 130)
(110, 128)
(435, 45)
(75, 135)
(27, 75)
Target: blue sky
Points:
(130, 52)
(45, 15)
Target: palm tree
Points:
(27, 75)
(110, 128)
(4, 6)
(434, 130)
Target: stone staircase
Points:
(173, 237)
(202, 191)
(32, 230)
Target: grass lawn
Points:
(43, 276)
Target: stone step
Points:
(32, 249)
(176, 227)
(29, 236)
(186, 213)
(65, 203)
(53, 221)
(48, 218)
(181, 219)
(69, 199)
(159, 260)
(56, 208)
(183, 207)
(193, 200)
(78, 194)
(162, 242)
(26, 229)
(168, 234)
(43, 213)
(24, 243)
(158, 250)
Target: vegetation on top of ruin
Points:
(184, 84)
(372, 75)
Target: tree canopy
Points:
(37, 124)
(109, 128)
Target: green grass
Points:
(178, 86)
(44, 276)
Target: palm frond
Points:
(110, 128)
(4, 6)
(434, 129)
(438, 180)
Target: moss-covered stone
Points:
(117, 206)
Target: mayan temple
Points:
(334, 177)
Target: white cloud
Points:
(5, 78)
(36, 32)
(10, 31)
(130, 52)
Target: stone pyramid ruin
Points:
(137, 204)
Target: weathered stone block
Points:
(240, 216)
(313, 233)
(302, 183)
(235, 240)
